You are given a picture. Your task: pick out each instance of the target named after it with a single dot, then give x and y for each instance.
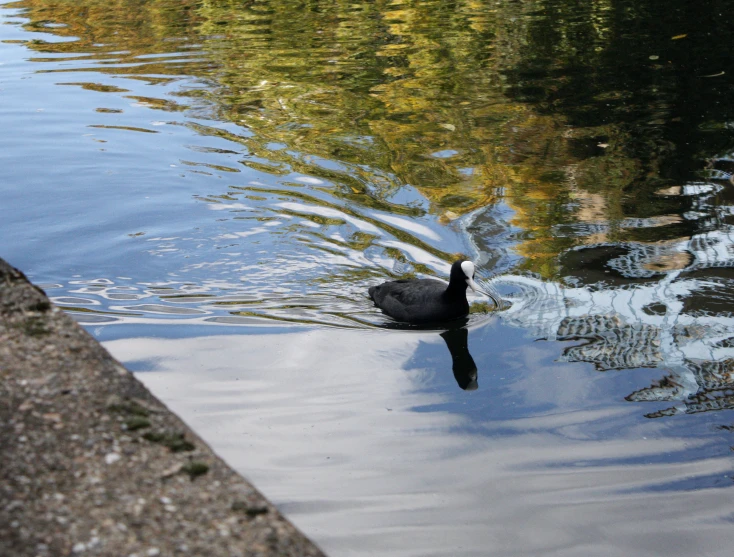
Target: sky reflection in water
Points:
(210, 190)
(374, 450)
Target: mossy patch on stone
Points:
(249, 509)
(34, 327)
(176, 442)
(195, 468)
(42, 306)
(129, 407)
(137, 422)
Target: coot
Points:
(428, 300)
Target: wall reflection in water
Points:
(665, 304)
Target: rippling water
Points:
(210, 189)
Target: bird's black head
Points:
(462, 275)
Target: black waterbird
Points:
(420, 301)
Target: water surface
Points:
(210, 188)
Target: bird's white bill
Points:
(475, 287)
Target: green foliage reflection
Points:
(574, 113)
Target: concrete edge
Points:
(94, 464)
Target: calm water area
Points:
(209, 187)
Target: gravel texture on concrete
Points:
(92, 464)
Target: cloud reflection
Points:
(338, 444)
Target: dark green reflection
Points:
(572, 112)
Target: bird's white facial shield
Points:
(468, 268)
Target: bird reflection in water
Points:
(456, 336)
(462, 363)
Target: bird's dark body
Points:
(422, 300)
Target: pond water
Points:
(211, 187)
